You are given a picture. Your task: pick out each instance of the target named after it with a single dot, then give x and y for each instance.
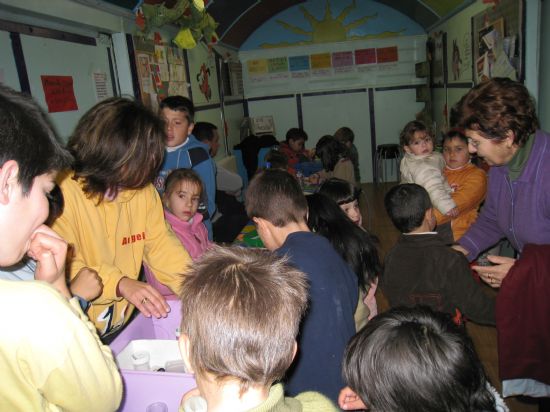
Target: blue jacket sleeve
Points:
(206, 171)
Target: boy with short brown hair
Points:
(241, 309)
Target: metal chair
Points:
(384, 153)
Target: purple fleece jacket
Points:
(518, 210)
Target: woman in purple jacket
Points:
(501, 124)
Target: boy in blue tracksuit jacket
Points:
(183, 150)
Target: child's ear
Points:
(294, 350)
(190, 128)
(407, 149)
(9, 173)
(185, 350)
(429, 217)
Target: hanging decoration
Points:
(194, 22)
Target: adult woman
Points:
(113, 215)
(501, 124)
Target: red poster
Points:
(365, 56)
(59, 93)
(386, 54)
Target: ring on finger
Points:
(144, 301)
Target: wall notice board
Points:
(160, 70)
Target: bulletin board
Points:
(160, 70)
(498, 41)
(80, 71)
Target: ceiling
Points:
(238, 19)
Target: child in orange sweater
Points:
(469, 183)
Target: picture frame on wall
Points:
(437, 56)
(497, 42)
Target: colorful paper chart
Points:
(277, 65)
(298, 63)
(321, 61)
(365, 56)
(257, 67)
(342, 59)
(386, 54)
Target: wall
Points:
(459, 28)
(73, 17)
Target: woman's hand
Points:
(494, 275)
(50, 252)
(349, 401)
(87, 284)
(144, 297)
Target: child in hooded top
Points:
(423, 166)
(181, 198)
(346, 136)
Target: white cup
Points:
(140, 360)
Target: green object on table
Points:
(252, 239)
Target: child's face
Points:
(184, 200)
(296, 145)
(421, 144)
(352, 210)
(455, 152)
(22, 216)
(214, 143)
(178, 127)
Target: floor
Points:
(376, 221)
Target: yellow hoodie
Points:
(114, 237)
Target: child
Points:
(113, 215)
(346, 136)
(294, 148)
(334, 157)
(417, 360)
(241, 309)
(420, 269)
(50, 355)
(469, 182)
(276, 204)
(356, 246)
(183, 150)
(346, 195)
(276, 159)
(423, 166)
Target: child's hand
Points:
(50, 251)
(87, 284)
(314, 179)
(349, 401)
(453, 212)
(146, 298)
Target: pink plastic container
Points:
(143, 388)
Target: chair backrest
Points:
(241, 169)
(261, 156)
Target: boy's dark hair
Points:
(497, 106)
(330, 151)
(455, 133)
(406, 205)
(356, 246)
(179, 104)
(344, 135)
(204, 131)
(118, 144)
(296, 134)
(275, 159)
(241, 309)
(56, 202)
(418, 360)
(177, 175)
(407, 134)
(276, 196)
(339, 190)
(27, 137)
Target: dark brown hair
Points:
(276, 196)
(241, 309)
(117, 145)
(407, 134)
(344, 135)
(497, 106)
(178, 175)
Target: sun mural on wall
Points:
(330, 29)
